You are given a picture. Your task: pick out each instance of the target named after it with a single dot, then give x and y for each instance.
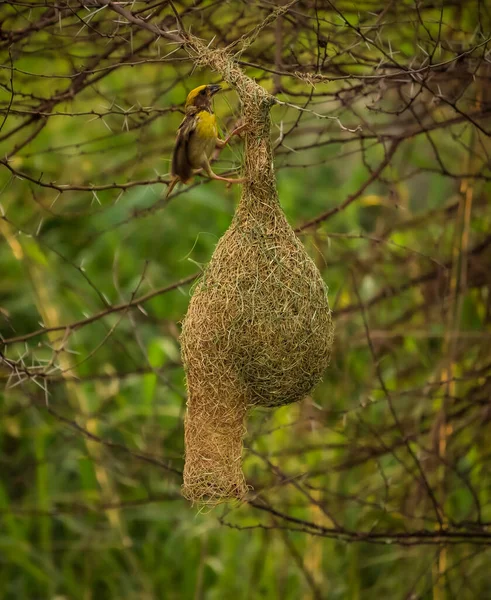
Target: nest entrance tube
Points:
(214, 428)
(258, 331)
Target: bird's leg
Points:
(212, 175)
(222, 143)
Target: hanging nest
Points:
(258, 331)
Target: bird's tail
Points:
(172, 185)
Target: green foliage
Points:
(91, 414)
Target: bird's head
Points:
(201, 97)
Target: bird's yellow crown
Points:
(193, 95)
(201, 96)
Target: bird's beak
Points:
(213, 89)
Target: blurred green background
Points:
(91, 428)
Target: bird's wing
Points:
(181, 166)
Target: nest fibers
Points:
(258, 331)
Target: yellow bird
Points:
(197, 138)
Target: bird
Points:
(197, 138)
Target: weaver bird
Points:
(197, 138)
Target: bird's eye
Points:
(203, 92)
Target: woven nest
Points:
(258, 331)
